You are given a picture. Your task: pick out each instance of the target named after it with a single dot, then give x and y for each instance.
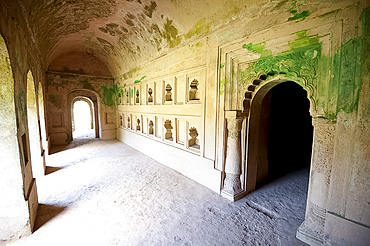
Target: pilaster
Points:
(311, 230)
(232, 189)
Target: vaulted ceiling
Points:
(122, 34)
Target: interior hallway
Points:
(107, 193)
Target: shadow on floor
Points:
(75, 143)
(58, 148)
(50, 170)
(46, 213)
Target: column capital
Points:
(230, 114)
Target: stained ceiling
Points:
(122, 34)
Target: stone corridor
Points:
(106, 193)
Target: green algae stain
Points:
(222, 86)
(199, 44)
(108, 94)
(139, 80)
(131, 73)
(201, 27)
(171, 34)
(258, 48)
(222, 65)
(304, 40)
(296, 15)
(348, 68)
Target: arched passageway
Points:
(290, 130)
(82, 118)
(92, 113)
(34, 129)
(280, 133)
(16, 211)
(42, 125)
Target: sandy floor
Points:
(106, 193)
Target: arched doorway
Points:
(82, 118)
(33, 128)
(43, 135)
(280, 132)
(16, 211)
(91, 98)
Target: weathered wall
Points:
(185, 111)
(232, 50)
(19, 194)
(320, 46)
(60, 86)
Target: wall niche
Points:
(168, 126)
(168, 93)
(193, 141)
(120, 99)
(138, 125)
(194, 91)
(151, 129)
(128, 96)
(150, 96)
(137, 100)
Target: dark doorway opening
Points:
(285, 112)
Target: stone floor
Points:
(107, 193)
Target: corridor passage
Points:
(107, 193)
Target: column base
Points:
(233, 196)
(311, 231)
(307, 237)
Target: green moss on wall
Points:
(200, 28)
(139, 80)
(305, 64)
(258, 48)
(222, 86)
(131, 73)
(108, 95)
(171, 34)
(296, 15)
(348, 67)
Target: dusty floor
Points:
(106, 193)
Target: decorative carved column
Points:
(232, 186)
(311, 230)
